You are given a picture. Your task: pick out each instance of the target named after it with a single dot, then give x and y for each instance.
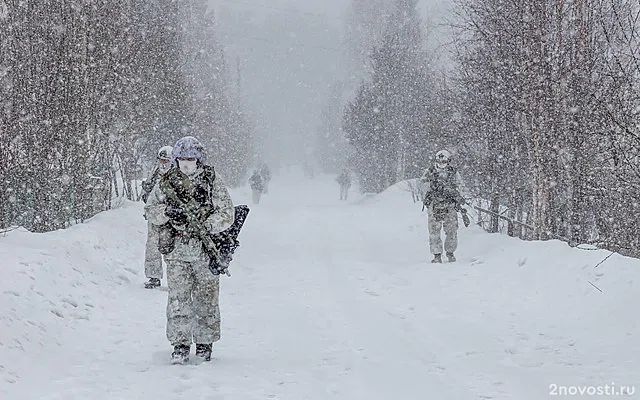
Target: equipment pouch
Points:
(166, 238)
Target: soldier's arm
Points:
(224, 213)
(155, 207)
(150, 181)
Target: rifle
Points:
(228, 240)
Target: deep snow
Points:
(328, 299)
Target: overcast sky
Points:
(289, 52)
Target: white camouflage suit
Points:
(152, 256)
(193, 313)
(447, 215)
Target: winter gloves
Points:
(176, 214)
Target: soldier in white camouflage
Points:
(256, 181)
(265, 173)
(193, 313)
(344, 180)
(152, 256)
(443, 199)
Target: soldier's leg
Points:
(435, 241)
(180, 280)
(152, 256)
(205, 304)
(451, 232)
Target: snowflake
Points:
(65, 179)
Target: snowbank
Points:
(56, 281)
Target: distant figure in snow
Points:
(308, 170)
(344, 180)
(442, 185)
(265, 173)
(257, 186)
(152, 256)
(190, 203)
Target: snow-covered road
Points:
(328, 300)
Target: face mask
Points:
(188, 167)
(164, 166)
(441, 165)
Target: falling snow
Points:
(538, 103)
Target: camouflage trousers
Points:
(193, 313)
(449, 222)
(256, 196)
(344, 192)
(152, 256)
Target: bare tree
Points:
(539, 85)
(88, 91)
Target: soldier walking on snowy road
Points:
(257, 186)
(442, 184)
(344, 180)
(152, 256)
(193, 313)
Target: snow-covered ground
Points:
(328, 299)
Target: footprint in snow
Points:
(476, 261)
(71, 302)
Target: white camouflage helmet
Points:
(165, 153)
(443, 157)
